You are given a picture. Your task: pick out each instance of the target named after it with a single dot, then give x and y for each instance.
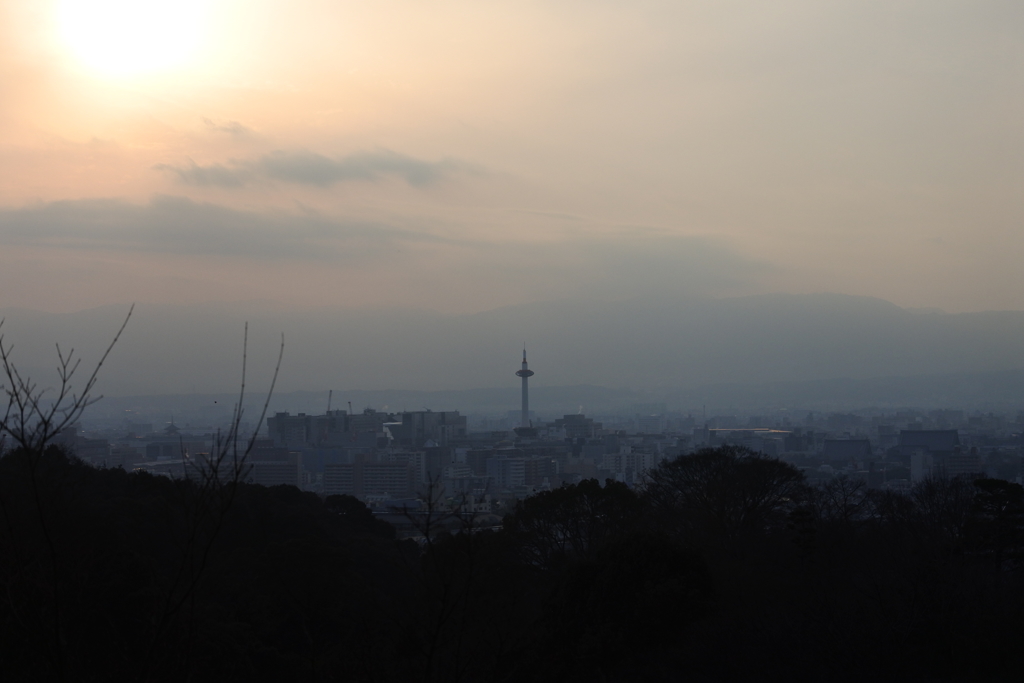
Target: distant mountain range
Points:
(774, 350)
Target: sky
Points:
(460, 156)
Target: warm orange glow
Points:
(841, 146)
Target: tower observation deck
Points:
(525, 373)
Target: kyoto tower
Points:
(525, 373)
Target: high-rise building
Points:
(506, 472)
(426, 425)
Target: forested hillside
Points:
(726, 567)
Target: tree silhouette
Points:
(724, 494)
(574, 521)
(69, 530)
(996, 524)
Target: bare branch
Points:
(30, 419)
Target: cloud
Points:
(627, 265)
(661, 265)
(548, 214)
(215, 175)
(305, 256)
(310, 168)
(230, 127)
(176, 225)
(315, 169)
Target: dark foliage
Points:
(724, 495)
(727, 567)
(574, 522)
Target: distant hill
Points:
(689, 350)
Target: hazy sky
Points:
(460, 155)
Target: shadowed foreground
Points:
(727, 567)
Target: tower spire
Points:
(525, 373)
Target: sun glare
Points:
(127, 37)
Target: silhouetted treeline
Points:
(727, 566)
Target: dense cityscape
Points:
(388, 460)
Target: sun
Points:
(130, 37)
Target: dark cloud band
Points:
(632, 262)
(309, 168)
(180, 226)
